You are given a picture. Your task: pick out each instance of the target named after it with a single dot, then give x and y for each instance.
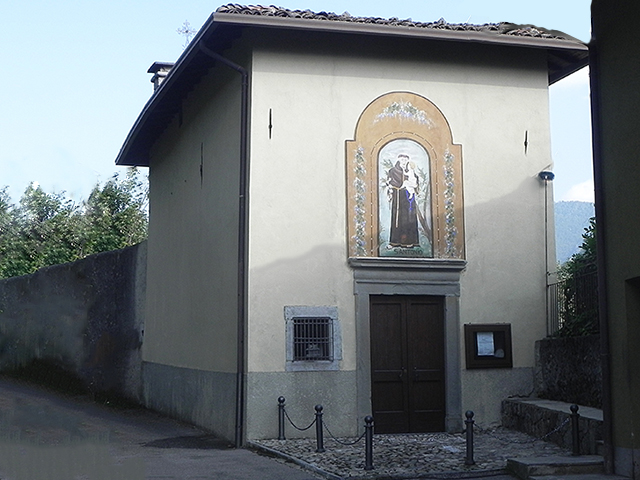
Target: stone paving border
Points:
(411, 456)
(301, 463)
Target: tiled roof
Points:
(502, 28)
(565, 54)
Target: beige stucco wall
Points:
(298, 253)
(189, 351)
(191, 301)
(304, 105)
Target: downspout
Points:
(546, 253)
(242, 241)
(603, 306)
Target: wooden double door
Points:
(407, 363)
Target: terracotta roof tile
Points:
(502, 28)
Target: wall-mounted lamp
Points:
(546, 175)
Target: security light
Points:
(546, 176)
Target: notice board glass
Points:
(488, 345)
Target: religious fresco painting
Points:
(404, 209)
(404, 172)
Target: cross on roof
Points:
(187, 31)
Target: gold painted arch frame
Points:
(404, 117)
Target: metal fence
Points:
(572, 299)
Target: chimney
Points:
(160, 70)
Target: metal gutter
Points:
(242, 241)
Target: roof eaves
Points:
(396, 30)
(562, 64)
(129, 157)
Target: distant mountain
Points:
(571, 220)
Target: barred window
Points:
(312, 339)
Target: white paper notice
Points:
(485, 344)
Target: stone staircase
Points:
(537, 467)
(538, 417)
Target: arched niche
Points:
(403, 130)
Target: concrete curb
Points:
(307, 466)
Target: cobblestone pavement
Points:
(416, 455)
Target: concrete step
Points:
(527, 468)
(587, 476)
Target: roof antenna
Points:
(187, 31)
(467, 22)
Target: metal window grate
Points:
(312, 338)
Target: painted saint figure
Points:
(403, 182)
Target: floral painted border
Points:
(405, 110)
(451, 231)
(359, 247)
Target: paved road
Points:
(46, 435)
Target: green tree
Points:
(5, 209)
(115, 214)
(579, 288)
(40, 231)
(47, 228)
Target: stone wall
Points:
(86, 318)
(550, 420)
(569, 370)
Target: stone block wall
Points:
(550, 421)
(569, 370)
(85, 317)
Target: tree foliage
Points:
(571, 217)
(579, 288)
(48, 228)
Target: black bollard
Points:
(575, 430)
(368, 442)
(469, 423)
(319, 439)
(281, 418)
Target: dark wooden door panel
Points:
(426, 334)
(427, 410)
(425, 325)
(391, 408)
(407, 363)
(386, 329)
(388, 371)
